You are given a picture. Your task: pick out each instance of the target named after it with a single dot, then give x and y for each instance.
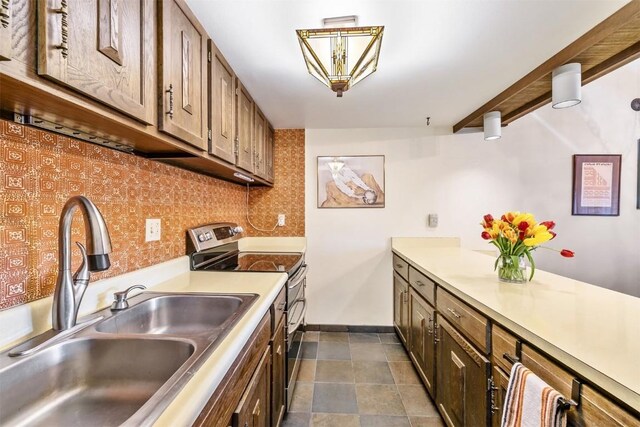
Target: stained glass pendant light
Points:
(343, 55)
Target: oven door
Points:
(295, 335)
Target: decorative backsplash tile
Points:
(287, 196)
(40, 170)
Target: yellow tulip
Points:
(526, 217)
(539, 235)
(511, 235)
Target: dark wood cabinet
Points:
(101, 48)
(270, 154)
(245, 127)
(254, 407)
(401, 307)
(499, 383)
(278, 374)
(222, 106)
(5, 29)
(259, 143)
(422, 339)
(463, 372)
(182, 55)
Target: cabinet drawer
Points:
(502, 342)
(423, 285)
(468, 320)
(547, 370)
(401, 266)
(277, 309)
(597, 410)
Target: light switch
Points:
(433, 220)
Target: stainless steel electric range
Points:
(214, 247)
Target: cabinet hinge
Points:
(491, 388)
(210, 135)
(236, 147)
(237, 93)
(209, 55)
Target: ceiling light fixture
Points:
(343, 55)
(566, 85)
(492, 125)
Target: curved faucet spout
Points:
(70, 289)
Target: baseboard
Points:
(350, 328)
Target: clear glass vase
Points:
(512, 269)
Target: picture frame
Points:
(355, 181)
(638, 178)
(596, 184)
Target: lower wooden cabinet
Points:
(463, 372)
(278, 374)
(499, 383)
(401, 307)
(254, 407)
(422, 339)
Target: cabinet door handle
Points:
(398, 265)
(455, 314)
(419, 283)
(279, 350)
(429, 329)
(281, 305)
(170, 92)
(64, 28)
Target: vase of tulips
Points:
(517, 235)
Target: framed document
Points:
(596, 184)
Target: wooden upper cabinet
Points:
(101, 48)
(259, 143)
(182, 53)
(5, 30)
(245, 128)
(222, 106)
(270, 149)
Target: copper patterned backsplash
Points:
(287, 196)
(40, 170)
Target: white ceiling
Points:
(439, 58)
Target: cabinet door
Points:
(254, 407)
(245, 128)
(223, 106)
(500, 382)
(182, 52)
(400, 311)
(101, 48)
(278, 374)
(422, 346)
(270, 154)
(462, 379)
(259, 143)
(5, 30)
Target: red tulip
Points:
(553, 234)
(523, 226)
(488, 220)
(548, 224)
(485, 235)
(567, 253)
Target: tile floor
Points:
(358, 379)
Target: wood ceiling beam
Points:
(598, 34)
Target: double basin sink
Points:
(122, 369)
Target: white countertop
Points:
(592, 330)
(22, 322)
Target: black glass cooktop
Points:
(283, 262)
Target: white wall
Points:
(461, 178)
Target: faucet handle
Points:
(83, 271)
(120, 298)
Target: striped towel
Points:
(530, 402)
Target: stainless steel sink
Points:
(124, 370)
(173, 314)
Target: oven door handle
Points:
(299, 277)
(293, 326)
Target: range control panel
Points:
(212, 235)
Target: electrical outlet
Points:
(281, 219)
(433, 220)
(153, 230)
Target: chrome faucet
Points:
(70, 289)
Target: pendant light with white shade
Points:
(566, 86)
